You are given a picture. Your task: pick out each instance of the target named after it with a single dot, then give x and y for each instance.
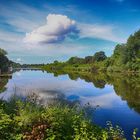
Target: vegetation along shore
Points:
(125, 59)
(30, 120)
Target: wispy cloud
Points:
(19, 60)
(10, 36)
(23, 18)
(104, 101)
(55, 50)
(105, 32)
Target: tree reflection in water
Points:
(3, 83)
(125, 86)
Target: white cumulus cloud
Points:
(56, 29)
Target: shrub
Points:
(30, 120)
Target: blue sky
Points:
(41, 31)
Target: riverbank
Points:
(29, 120)
(5, 75)
(86, 68)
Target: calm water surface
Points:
(118, 99)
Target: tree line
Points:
(5, 62)
(126, 57)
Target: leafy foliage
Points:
(4, 62)
(2, 52)
(127, 56)
(99, 56)
(27, 119)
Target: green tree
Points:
(4, 62)
(127, 56)
(88, 59)
(99, 56)
(75, 60)
(2, 52)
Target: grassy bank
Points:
(97, 67)
(28, 119)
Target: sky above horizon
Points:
(41, 31)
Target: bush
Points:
(30, 120)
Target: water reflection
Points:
(118, 96)
(3, 82)
(126, 86)
(122, 111)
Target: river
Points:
(116, 98)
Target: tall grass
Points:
(28, 119)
